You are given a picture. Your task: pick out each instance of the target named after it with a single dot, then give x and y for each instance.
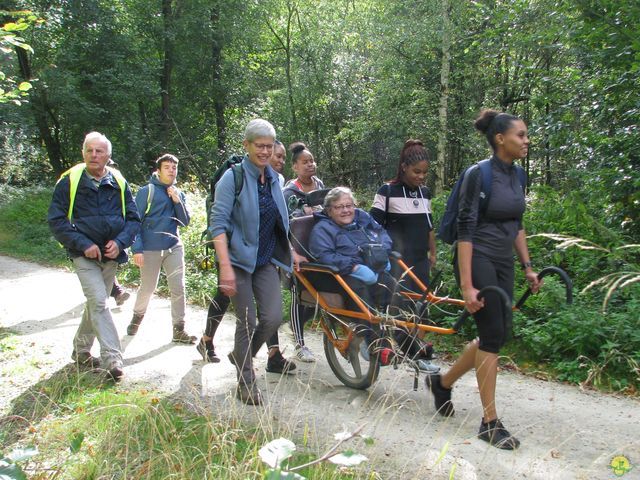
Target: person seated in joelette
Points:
(340, 232)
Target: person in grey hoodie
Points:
(163, 209)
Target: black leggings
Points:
(494, 324)
(217, 308)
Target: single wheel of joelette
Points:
(351, 368)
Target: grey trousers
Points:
(96, 279)
(172, 261)
(263, 286)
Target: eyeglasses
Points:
(346, 206)
(263, 146)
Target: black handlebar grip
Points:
(564, 277)
(492, 288)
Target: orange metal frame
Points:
(363, 313)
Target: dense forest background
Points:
(354, 79)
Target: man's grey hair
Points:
(335, 193)
(258, 128)
(96, 136)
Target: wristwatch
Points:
(526, 265)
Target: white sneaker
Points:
(427, 366)
(304, 354)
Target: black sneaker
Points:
(84, 359)
(205, 348)
(134, 324)
(441, 395)
(278, 364)
(180, 336)
(498, 436)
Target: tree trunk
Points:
(291, 9)
(219, 102)
(43, 114)
(444, 99)
(165, 77)
(149, 157)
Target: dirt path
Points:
(565, 432)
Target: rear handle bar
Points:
(491, 288)
(564, 277)
(568, 285)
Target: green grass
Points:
(85, 427)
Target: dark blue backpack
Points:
(235, 164)
(448, 230)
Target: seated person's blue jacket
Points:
(332, 244)
(97, 216)
(240, 219)
(160, 225)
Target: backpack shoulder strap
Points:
(150, 193)
(487, 180)
(238, 179)
(522, 176)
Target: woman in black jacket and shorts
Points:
(484, 256)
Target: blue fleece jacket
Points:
(97, 216)
(240, 219)
(160, 225)
(332, 244)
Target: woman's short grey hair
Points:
(335, 193)
(96, 136)
(258, 128)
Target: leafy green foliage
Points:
(12, 89)
(24, 232)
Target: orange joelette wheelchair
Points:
(342, 340)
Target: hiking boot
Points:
(134, 324)
(427, 366)
(304, 354)
(276, 363)
(84, 359)
(121, 297)
(180, 336)
(249, 395)
(441, 395)
(205, 348)
(115, 374)
(498, 436)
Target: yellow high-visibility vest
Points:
(75, 173)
